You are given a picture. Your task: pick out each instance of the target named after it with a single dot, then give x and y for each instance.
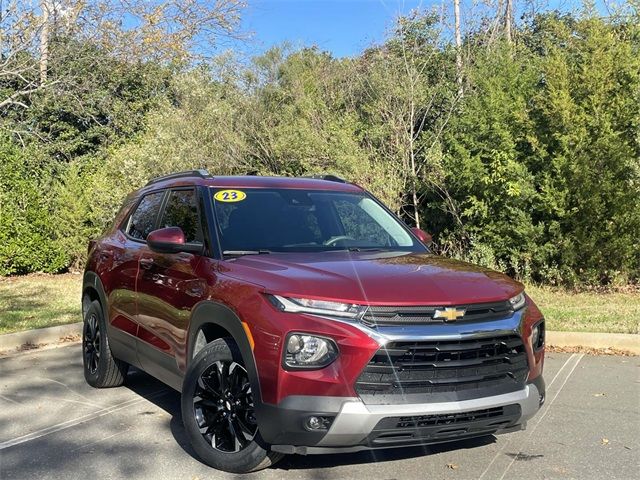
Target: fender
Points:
(123, 345)
(92, 280)
(210, 312)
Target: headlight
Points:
(518, 301)
(309, 351)
(319, 307)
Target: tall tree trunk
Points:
(414, 188)
(456, 12)
(413, 171)
(44, 42)
(508, 20)
(1, 31)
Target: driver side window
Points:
(182, 211)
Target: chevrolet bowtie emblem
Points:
(449, 314)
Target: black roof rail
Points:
(202, 173)
(329, 178)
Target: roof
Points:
(250, 181)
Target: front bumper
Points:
(355, 424)
(365, 423)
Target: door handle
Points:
(146, 263)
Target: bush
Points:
(27, 228)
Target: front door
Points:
(168, 287)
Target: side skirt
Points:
(160, 365)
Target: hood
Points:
(390, 278)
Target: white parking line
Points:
(548, 387)
(9, 400)
(77, 421)
(532, 431)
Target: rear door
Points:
(167, 289)
(123, 256)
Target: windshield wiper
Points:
(368, 249)
(246, 252)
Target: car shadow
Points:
(299, 462)
(169, 401)
(164, 397)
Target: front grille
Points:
(379, 316)
(445, 370)
(439, 427)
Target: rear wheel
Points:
(218, 411)
(101, 369)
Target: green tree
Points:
(27, 228)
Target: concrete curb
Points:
(13, 341)
(620, 341)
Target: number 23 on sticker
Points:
(230, 196)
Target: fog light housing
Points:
(304, 351)
(318, 422)
(537, 336)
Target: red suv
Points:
(299, 315)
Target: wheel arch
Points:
(218, 321)
(92, 289)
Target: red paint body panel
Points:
(375, 278)
(168, 287)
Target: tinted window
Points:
(182, 211)
(295, 220)
(144, 218)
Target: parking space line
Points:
(499, 452)
(64, 385)
(45, 397)
(530, 435)
(77, 421)
(9, 400)
(108, 437)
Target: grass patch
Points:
(612, 312)
(37, 301)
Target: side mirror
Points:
(423, 236)
(171, 240)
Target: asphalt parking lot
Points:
(53, 425)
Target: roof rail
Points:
(202, 173)
(329, 178)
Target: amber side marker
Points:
(249, 336)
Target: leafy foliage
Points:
(534, 169)
(27, 229)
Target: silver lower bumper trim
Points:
(355, 421)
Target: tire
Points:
(101, 369)
(218, 411)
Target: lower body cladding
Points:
(310, 425)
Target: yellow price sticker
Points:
(230, 196)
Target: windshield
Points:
(292, 220)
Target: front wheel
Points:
(218, 411)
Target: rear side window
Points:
(144, 218)
(182, 211)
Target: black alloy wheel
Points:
(218, 410)
(101, 368)
(223, 407)
(91, 343)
